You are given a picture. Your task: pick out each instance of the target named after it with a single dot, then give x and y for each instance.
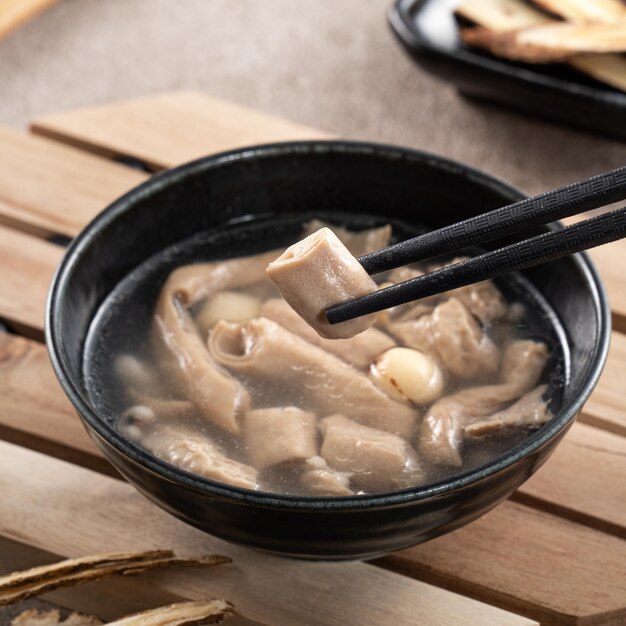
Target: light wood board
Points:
(168, 129)
(555, 570)
(28, 264)
(50, 188)
(82, 512)
(581, 480)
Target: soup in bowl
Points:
(218, 402)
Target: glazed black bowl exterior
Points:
(288, 179)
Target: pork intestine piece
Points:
(360, 350)
(375, 459)
(263, 351)
(226, 305)
(164, 408)
(530, 410)
(441, 430)
(185, 360)
(278, 434)
(321, 480)
(484, 300)
(199, 281)
(199, 455)
(453, 337)
(318, 272)
(143, 388)
(358, 242)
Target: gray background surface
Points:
(332, 64)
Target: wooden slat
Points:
(28, 265)
(81, 512)
(584, 480)
(606, 408)
(609, 260)
(35, 412)
(46, 187)
(535, 563)
(14, 13)
(168, 129)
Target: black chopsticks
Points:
(518, 217)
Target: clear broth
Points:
(122, 327)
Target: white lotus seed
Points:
(409, 375)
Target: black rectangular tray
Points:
(428, 30)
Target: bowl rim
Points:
(138, 456)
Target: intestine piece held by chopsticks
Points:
(317, 272)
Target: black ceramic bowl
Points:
(287, 179)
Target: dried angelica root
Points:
(32, 582)
(180, 614)
(35, 617)
(586, 11)
(549, 43)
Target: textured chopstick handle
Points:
(518, 256)
(508, 220)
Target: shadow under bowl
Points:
(285, 180)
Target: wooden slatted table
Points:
(553, 554)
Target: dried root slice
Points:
(180, 614)
(501, 15)
(585, 11)
(35, 617)
(529, 410)
(32, 582)
(550, 42)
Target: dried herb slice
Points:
(501, 15)
(38, 580)
(505, 15)
(603, 11)
(35, 617)
(180, 614)
(549, 42)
